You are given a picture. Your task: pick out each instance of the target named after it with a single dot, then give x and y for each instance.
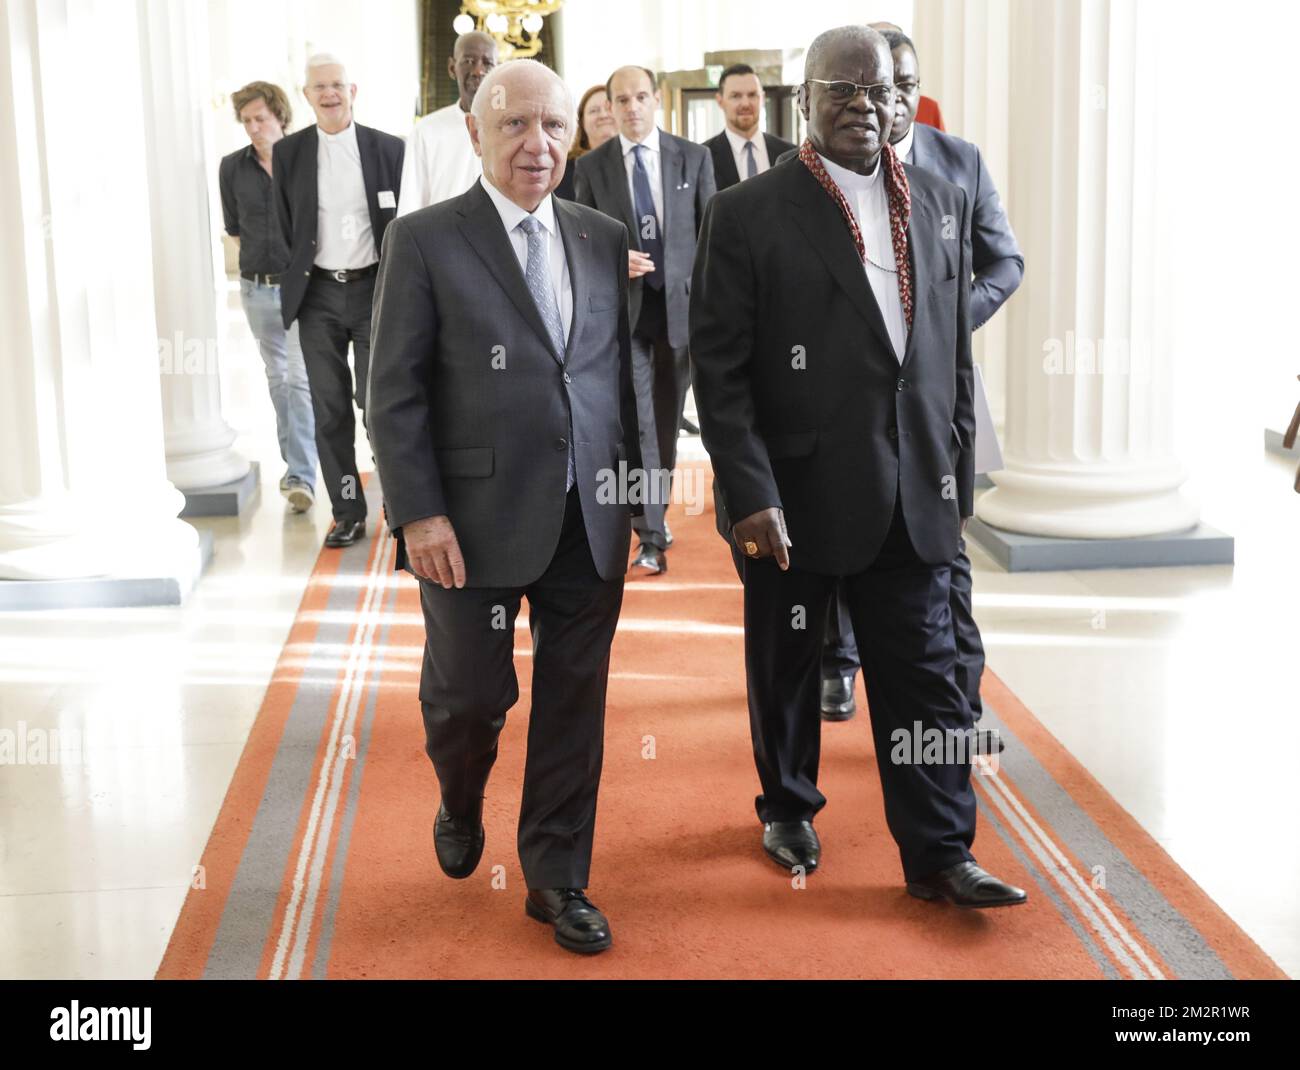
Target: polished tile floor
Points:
(1172, 686)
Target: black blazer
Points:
(686, 170)
(293, 163)
(469, 406)
(803, 405)
(995, 254)
(724, 163)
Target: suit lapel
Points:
(369, 160)
(670, 178)
(576, 248)
(481, 226)
(724, 164)
(309, 177)
(774, 149)
(922, 230)
(919, 154)
(615, 174)
(827, 232)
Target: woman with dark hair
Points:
(595, 126)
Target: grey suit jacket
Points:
(995, 255)
(470, 406)
(687, 173)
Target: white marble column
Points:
(1088, 442)
(83, 490)
(181, 170)
(964, 51)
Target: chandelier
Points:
(516, 24)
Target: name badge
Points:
(386, 199)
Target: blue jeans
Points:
(286, 375)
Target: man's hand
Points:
(638, 264)
(433, 552)
(765, 533)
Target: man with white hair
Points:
(336, 189)
(501, 411)
(440, 161)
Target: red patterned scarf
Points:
(900, 212)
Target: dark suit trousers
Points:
(468, 685)
(840, 656)
(332, 315)
(660, 376)
(899, 608)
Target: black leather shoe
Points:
(345, 533)
(458, 842)
(792, 843)
(579, 926)
(652, 559)
(988, 741)
(668, 536)
(966, 885)
(837, 698)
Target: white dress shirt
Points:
(653, 169)
(869, 200)
(440, 161)
(344, 237)
(511, 216)
(738, 144)
(904, 146)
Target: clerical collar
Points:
(903, 147)
(348, 133)
(851, 180)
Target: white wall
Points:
(673, 35)
(270, 40)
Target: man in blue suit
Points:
(998, 267)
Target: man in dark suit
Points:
(336, 185)
(740, 151)
(501, 406)
(830, 332)
(998, 268)
(656, 185)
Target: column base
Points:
(1273, 444)
(1201, 545)
(227, 499)
(149, 587)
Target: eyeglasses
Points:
(320, 87)
(908, 88)
(843, 92)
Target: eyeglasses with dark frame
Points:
(841, 92)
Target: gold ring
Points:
(751, 547)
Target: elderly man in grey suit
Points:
(657, 185)
(501, 403)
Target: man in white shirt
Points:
(336, 185)
(492, 481)
(657, 185)
(440, 161)
(742, 151)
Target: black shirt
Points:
(249, 210)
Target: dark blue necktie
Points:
(751, 161)
(647, 221)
